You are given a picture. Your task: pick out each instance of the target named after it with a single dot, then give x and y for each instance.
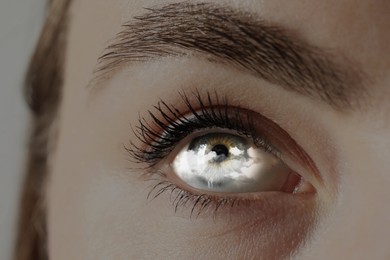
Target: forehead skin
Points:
(357, 30)
(86, 205)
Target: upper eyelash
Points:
(159, 138)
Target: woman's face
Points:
(274, 138)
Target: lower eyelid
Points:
(275, 224)
(271, 215)
(219, 204)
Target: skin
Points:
(96, 200)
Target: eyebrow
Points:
(238, 38)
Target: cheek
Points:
(108, 218)
(361, 215)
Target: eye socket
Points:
(211, 160)
(223, 162)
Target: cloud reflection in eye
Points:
(223, 162)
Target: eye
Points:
(230, 163)
(211, 153)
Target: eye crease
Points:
(211, 153)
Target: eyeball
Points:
(231, 163)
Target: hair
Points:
(43, 84)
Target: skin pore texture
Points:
(97, 202)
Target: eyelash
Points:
(160, 137)
(200, 202)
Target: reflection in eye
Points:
(223, 162)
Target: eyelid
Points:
(182, 197)
(292, 153)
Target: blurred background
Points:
(20, 24)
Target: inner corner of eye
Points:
(224, 162)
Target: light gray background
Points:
(20, 23)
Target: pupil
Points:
(222, 152)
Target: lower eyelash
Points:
(199, 202)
